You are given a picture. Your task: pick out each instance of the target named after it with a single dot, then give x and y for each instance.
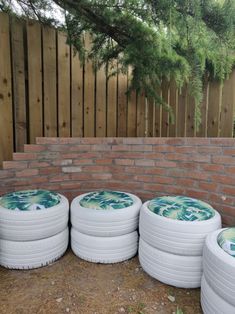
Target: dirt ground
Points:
(74, 286)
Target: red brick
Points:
(102, 148)
(47, 140)
(5, 174)
(79, 162)
(101, 176)
(197, 141)
(123, 177)
(144, 178)
(62, 162)
(212, 168)
(58, 148)
(27, 173)
(227, 190)
(28, 148)
(154, 171)
(201, 195)
(208, 186)
(103, 161)
(230, 170)
(24, 156)
(185, 149)
(121, 148)
(178, 157)
(164, 148)
(185, 182)
(229, 151)
(188, 165)
(70, 185)
(218, 178)
(228, 220)
(133, 140)
(223, 160)
(96, 168)
(59, 178)
(14, 165)
(201, 158)
(80, 148)
(50, 170)
(175, 141)
(154, 140)
(38, 164)
(209, 150)
(80, 176)
(166, 164)
(197, 175)
(223, 141)
(145, 162)
(155, 187)
(141, 148)
(124, 162)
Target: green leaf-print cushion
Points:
(181, 208)
(226, 240)
(106, 200)
(29, 200)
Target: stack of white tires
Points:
(33, 228)
(218, 282)
(104, 225)
(173, 230)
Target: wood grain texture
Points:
(122, 105)
(214, 107)
(34, 46)
(64, 123)
(174, 105)
(227, 107)
(19, 95)
(77, 111)
(49, 81)
(101, 102)
(141, 110)
(182, 112)
(112, 100)
(6, 128)
(165, 113)
(89, 94)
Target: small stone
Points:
(122, 310)
(59, 300)
(171, 298)
(137, 270)
(188, 292)
(67, 309)
(162, 303)
(52, 283)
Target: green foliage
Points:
(184, 40)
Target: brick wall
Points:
(201, 168)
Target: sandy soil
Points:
(72, 285)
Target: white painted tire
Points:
(219, 268)
(176, 236)
(104, 249)
(175, 270)
(211, 302)
(33, 254)
(105, 223)
(34, 225)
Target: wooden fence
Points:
(45, 91)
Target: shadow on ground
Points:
(72, 285)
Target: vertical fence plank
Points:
(6, 129)
(174, 106)
(131, 110)
(227, 107)
(18, 72)
(150, 120)
(49, 81)
(182, 112)
(214, 106)
(101, 102)
(190, 118)
(76, 95)
(165, 113)
(34, 46)
(157, 113)
(141, 115)
(112, 101)
(63, 85)
(122, 105)
(89, 94)
(202, 131)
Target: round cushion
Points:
(32, 215)
(181, 208)
(226, 240)
(105, 213)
